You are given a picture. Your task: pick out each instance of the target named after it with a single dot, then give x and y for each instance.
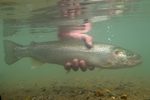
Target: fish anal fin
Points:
(35, 63)
(101, 69)
(68, 71)
(107, 65)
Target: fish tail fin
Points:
(9, 47)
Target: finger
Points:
(68, 66)
(82, 65)
(91, 68)
(75, 66)
(88, 39)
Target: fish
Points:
(101, 55)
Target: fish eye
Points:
(116, 52)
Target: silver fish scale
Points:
(67, 50)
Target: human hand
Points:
(78, 33)
(76, 64)
(75, 31)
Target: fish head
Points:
(122, 58)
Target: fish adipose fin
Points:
(9, 47)
(35, 63)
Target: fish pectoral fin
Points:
(101, 69)
(35, 63)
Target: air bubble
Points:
(109, 39)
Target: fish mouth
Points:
(134, 61)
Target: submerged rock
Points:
(29, 98)
(88, 97)
(112, 94)
(123, 96)
(99, 93)
(57, 91)
(44, 90)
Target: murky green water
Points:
(19, 22)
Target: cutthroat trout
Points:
(101, 55)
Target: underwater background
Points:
(24, 21)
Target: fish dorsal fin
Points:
(35, 63)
